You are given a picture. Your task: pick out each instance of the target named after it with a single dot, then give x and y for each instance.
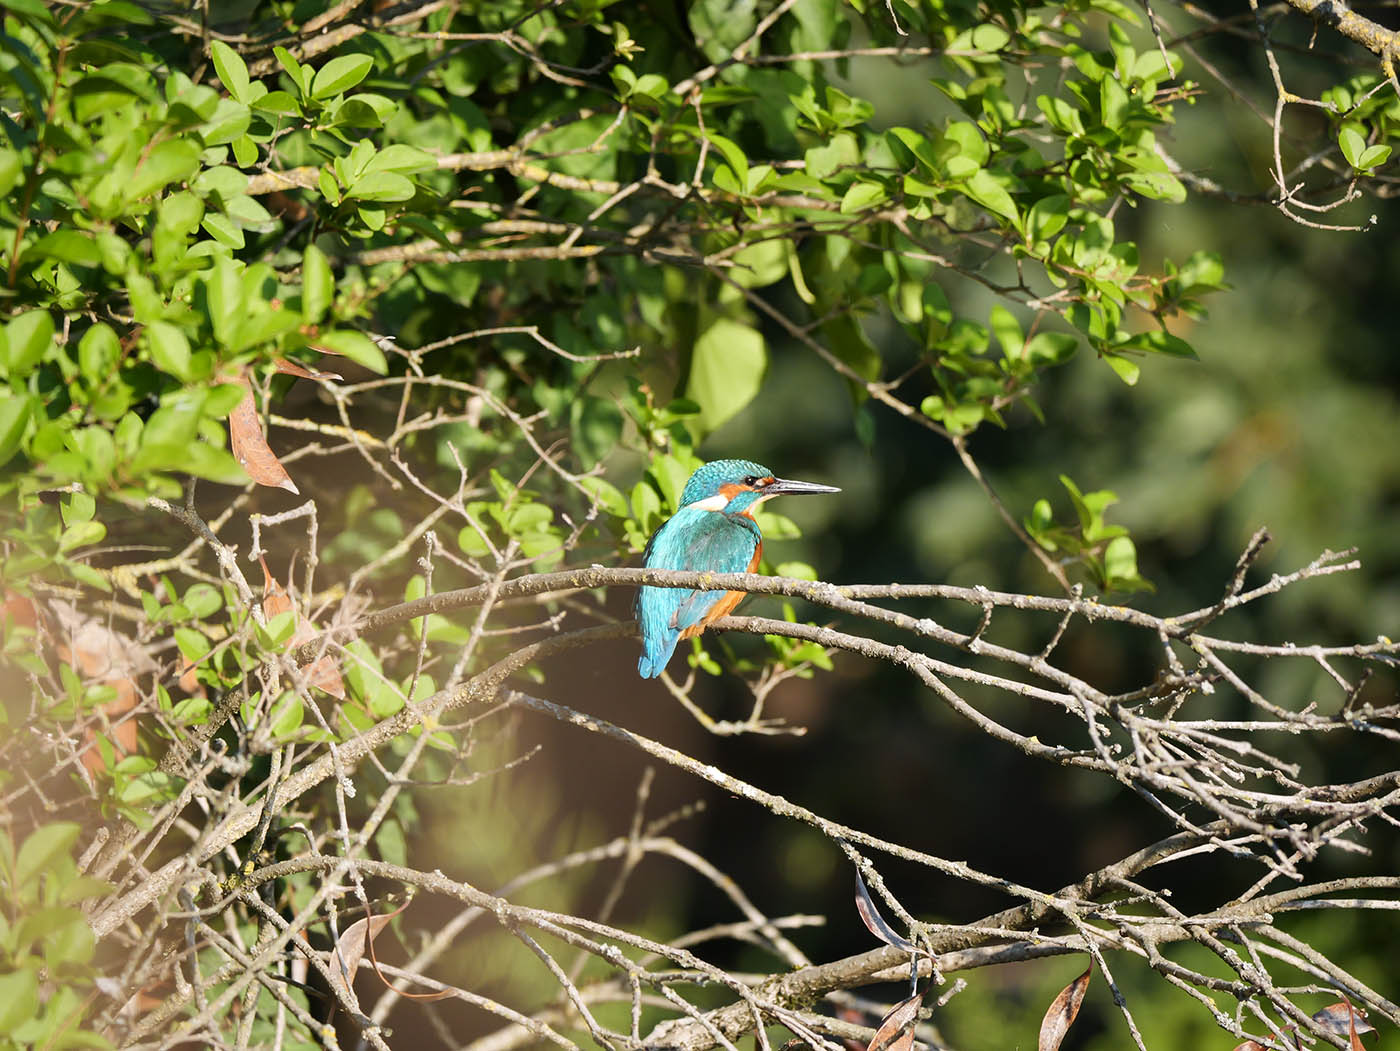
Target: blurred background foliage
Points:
(504, 203)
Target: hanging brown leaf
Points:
(896, 1032)
(358, 940)
(1344, 1018)
(250, 446)
(350, 948)
(323, 673)
(276, 601)
(875, 923)
(306, 372)
(1063, 1012)
(1250, 1045)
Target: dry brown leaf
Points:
(20, 609)
(306, 372)
(350, 948)
(250, 446)
(324, 673)
(897, 1026)
(1344, 1018)
(875, 923)
(1063, 1012)
(359, 938)
(1250, 1045)
(275, 598)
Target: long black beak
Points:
(779, 486)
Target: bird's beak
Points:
(781, 486)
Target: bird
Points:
(713, 531)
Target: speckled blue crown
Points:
(706, 481)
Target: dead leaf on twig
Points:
(306, 372)
(875, 923)
(358, 940)
(896, 1032)
(1345, 1019)
(1063, 1012)
(322, 673)
(250, 446)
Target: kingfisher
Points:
(714, 531)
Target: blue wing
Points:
(694, 540)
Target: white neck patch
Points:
(718, 502)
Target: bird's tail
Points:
(656, 654)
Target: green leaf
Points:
(382, 186)
(202, 600)
(222, 229)
(356, 346)
(1159, 342)
(1120, 565)
(609, 497)
(81, 534)
(231, 69)
(733, 156)
(301, 76)
(1373, 156)
(98, 354)
(1047, 217)
(169, 161)
(317, 284)
(986, 189)
(339, 74)
(278, 630)
(1126, 368)
(399, 157)
(1051, 348)
(67, 245)
(44, 847)
(19, 999)
(1007, 331)
(29, 335)
(1113, 102)
(15, 411)
(286, 715)
(278, 102)
(861, 195)
(1353, 145)
(726, 370)
(169, 348)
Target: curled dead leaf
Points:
(1063, 1012)
(355, 942)
(875, 923)
(306, 372)
(896, 1032)
(1345, 1019)
(250, 446)
(324, 673)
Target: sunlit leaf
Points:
(1063, 1012)
(250, 446)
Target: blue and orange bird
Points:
(714, 531)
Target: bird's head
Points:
(738, 486)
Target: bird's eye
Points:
(752, 481)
